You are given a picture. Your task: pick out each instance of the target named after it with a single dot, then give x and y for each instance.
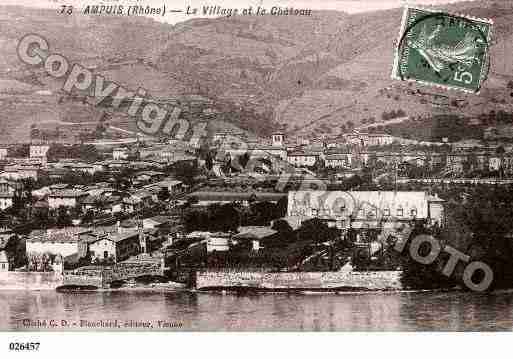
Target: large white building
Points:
(366, 209)
(7, 190)
(369, 139)
(336, 160)
(3, 153)
(302, 159)
(40, 153)
(120, 153)
(20, 172)
(37, 151)
(278, 139)
(62, 241)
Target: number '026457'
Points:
(29, 346)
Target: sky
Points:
(350, 6)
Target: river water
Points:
(193, 311)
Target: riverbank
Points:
(299, 281)
(227, 280)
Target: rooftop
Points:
(254, 232)
(150, 173)
(60, 235)
(236, 196)
(336, 156)
(302, 153)
(119, 237)
(159, 219)
(169, 183)
(68, 193)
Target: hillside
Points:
(311, 74)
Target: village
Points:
(229, 203)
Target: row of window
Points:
(361, 213)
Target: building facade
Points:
(65, 198)
(118, 246)
(302, 159)
(62, 241)
(366, 209)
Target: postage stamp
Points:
(441, 49)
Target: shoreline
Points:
(243, 291)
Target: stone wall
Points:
(83, 280)
(379, 280)
(30, 280)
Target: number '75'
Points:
(68, 9)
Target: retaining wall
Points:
(30, 280)
(378, 280)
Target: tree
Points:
(223, 217)
(15, 249)
(244, 159)
(281, 207)
(282, 226)
(19, 151)
(185, 171)
(88, 216)
(164, 194)
(261, 213)
(317, 231)
(63, 217)
(209, 161)
(319, 165)
(124, 179)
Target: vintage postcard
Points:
(176, 166)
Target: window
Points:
(386, 212)
(3, 265)
(413, 212)
(400, 212)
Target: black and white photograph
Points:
(255, 166)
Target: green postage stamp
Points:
(441, 49)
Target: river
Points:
(193, 311)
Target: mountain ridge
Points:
(313, 75)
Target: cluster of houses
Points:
(115, 243)
(36, 165)
(132, 237)
(102, 198)
(99, 197)
(389, 212)
(359, 149)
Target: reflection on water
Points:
(406, 311)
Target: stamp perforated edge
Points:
(402, 30)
